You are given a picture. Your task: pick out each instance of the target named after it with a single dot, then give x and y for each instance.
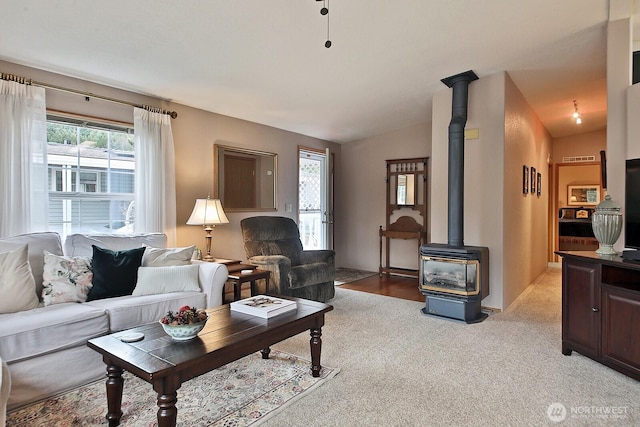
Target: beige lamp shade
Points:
(207, 212)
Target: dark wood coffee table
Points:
(228, 336)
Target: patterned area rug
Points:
(242, 393)
(347, 275)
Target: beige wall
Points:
(525, 216)
(582, 144)
(195, 132)
(360, 196)
(497, 214)
(483, 174)
(618, 81)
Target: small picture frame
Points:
(539, 184)
(533, 180)
(525, 179)
(583, 195)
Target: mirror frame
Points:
(217, 158)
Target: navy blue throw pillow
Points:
(115, 273)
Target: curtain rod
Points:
(87, 95)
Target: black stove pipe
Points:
(460, 84)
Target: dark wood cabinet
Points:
(601, 309)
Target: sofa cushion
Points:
(162, 257)
(81, 244)
(115, 273)
(17, 286)
(27, 334)
(162, 280)
(131, 311)
(65, 279)
(38, 243)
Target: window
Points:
(91, 177)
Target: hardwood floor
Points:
(393, 286)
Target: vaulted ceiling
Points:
(265, 60)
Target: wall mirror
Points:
(244, 179)
(406, 190)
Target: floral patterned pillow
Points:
(66, 279)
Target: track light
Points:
(576, 112)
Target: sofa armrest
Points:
(212, 277)
(317, 255)
(279, 266)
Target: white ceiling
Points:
(265, 60)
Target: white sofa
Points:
(45, 347)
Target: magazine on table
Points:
(263, 306)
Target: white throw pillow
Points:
(65, 279)
(17, 285)
(162, 280)
(163, 257)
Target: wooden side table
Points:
(237, 278)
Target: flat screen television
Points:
(632, 205)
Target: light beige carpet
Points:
(401, 368)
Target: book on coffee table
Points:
(263, 306)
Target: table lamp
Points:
(208, 213)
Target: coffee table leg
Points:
(114, 395)
(316, 348)
(167, 398)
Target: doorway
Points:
(575, 233)
(315, 200)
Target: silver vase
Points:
(607, 225)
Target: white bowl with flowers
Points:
(184, 324)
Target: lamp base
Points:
(208, 229)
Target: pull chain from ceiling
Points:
(325, 11)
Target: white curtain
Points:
(23, 159)
(155, 183)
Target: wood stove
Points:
(454, 281)
(455, 278)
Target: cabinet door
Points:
(621, 327)
(580, 307)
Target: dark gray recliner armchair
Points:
(273, 243)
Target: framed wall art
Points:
(525, 179)
(533, 180)
(583, 195)
(539, 184)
